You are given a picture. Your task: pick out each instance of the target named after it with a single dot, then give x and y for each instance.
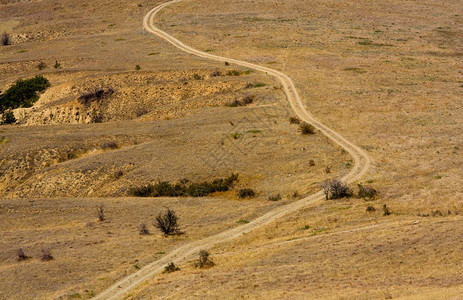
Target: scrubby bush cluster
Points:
(366, 192)
(183, 189)
(171, 267)
(274, 197)
(95, 95)
(246, 193)
(306, 128)
(335, 189)
(23, 93)
(247, 99)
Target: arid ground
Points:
(388, 76)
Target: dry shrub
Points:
(294, 120)
(306, 128)
(95, 94)
(100, 212)
(274, 197)
(366, 192)
(5, 39)
(203, 260)
(21, 255)
(370, 209)
(171, 267)
(168, 223)
(46, 255)
(110, 145)
(143, 229)
(335, 189)
(386, 210)
(246, 193)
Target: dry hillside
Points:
(386, 75)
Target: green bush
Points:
(167, 189)
(8, 117)
(23, 93)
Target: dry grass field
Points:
(386, 75)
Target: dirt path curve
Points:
(184, 253)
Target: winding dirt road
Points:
(184, 253)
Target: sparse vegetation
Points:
(247, 99)
(73, 154)
(100, 213)
(370, 209)
(164, 188)
(23, 93)
(96, 94)
(46, 255)
(118, 174)
(41, 65)
(294, 120)
(274, 197)
(306, 128)
(242, 221)
(143, 229)
(233, 73)
(5, 40)
(111, 145)
(295, 195)
(366, 192)
(168, 223)
(386, 210)
(57, 65)
(137, 68)
(216, 73)
(171, 267)
(335, 189)
(197, 76)
(246, 193)
(21, 255)
(203, 260)
(235, 135)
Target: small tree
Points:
(5, 40)
(168, 223)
